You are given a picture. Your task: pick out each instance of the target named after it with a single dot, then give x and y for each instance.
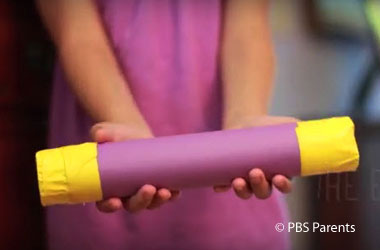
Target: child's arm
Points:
(88, 61)
(96, 79)
(247, 60)
(247, 74)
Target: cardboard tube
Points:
(90, 172)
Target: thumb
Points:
(113, 132)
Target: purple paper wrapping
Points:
(197, 160)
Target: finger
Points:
(175, 194)
(102, 135)
(282, 119)
(282, 183)
(163, 195)
(141, 200)
(259, 184)
(108, 132)
(109, 205)
(94, 129)
(111, 132)
(241, 188)
(222, 188)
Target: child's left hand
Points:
(257, 184)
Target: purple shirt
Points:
(168, 52)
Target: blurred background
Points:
(327, 64)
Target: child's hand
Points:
(257, 184)
(148, 197)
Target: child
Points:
(161, 67)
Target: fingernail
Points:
(257, 179)
(145, 194)
(281, 182)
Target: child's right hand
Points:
(148, 196)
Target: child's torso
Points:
(168, 51)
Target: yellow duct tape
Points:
(327, 146)
(69, 174)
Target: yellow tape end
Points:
(68, 174)
(327, 146)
